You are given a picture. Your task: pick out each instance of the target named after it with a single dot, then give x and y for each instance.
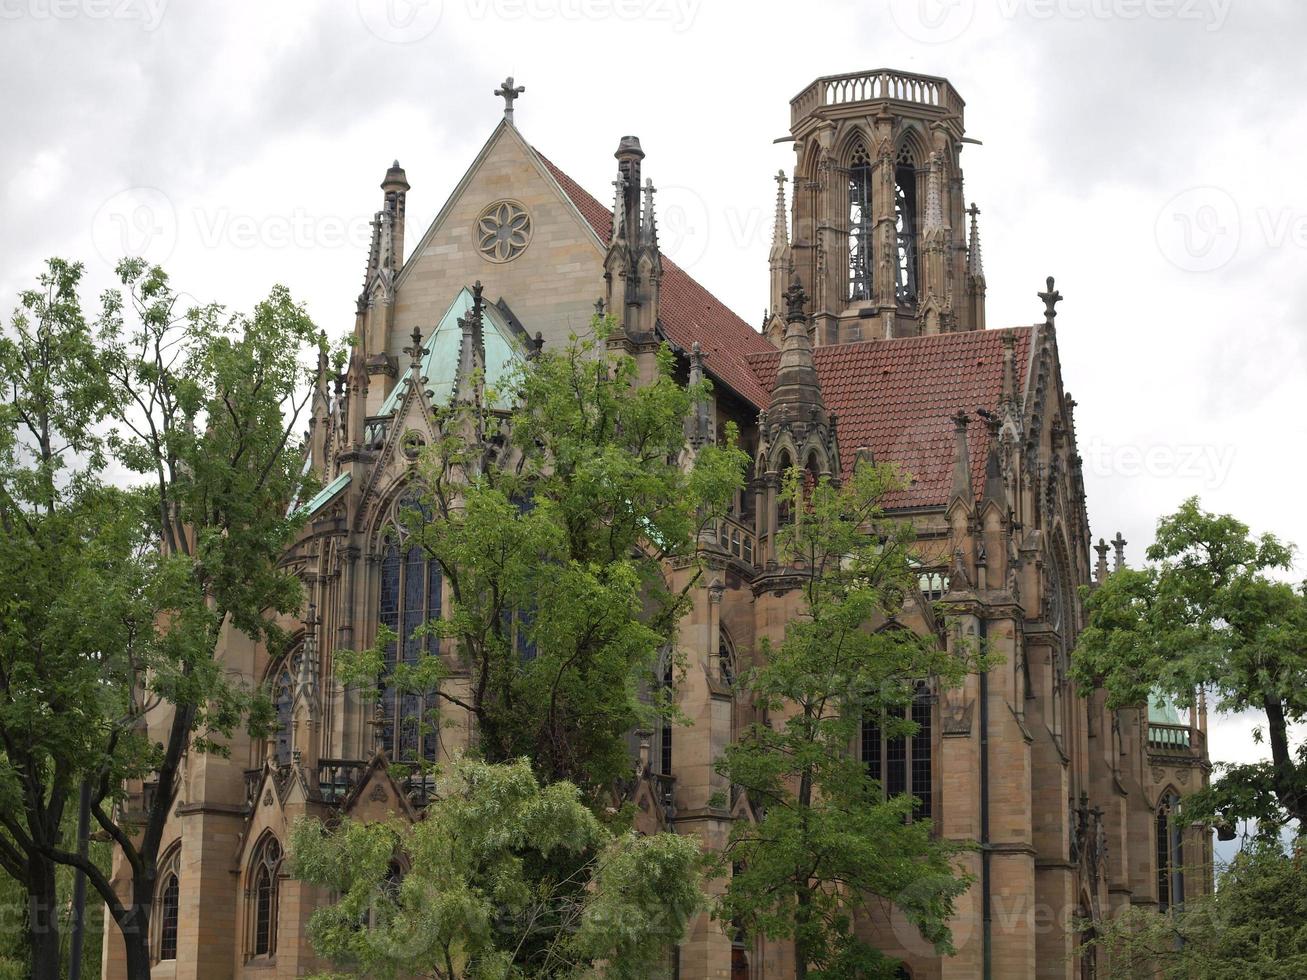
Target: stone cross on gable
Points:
(1051, 298)
(509, 93)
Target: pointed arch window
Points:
(169, 903)
(264, 895)
(1170, 853)
(905, 228)
(726, 668)
(903, 763)
(409, 596)
(283, 679)
(860, 224)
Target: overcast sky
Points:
(1148, 153)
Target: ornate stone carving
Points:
(503, 231)
(267, 797)
(378, 794)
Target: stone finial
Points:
(649, 223)
(1100, 568)
(795, 298)
(1119, 543)
(414, 351)
(509, 94)
(975, 260)
(779, 233)
(1051, 298)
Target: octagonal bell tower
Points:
(879, 236)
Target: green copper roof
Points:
(1162, 712)
(440, 356)
(325, 495)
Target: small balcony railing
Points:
(873, 86)
(737, 540)
(1174, 739)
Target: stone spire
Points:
(320, 416)
(975, 258)
(697, 427)
(395, 187)
(778, 262)
(633, 266)
(994, 490)
(962, 487)
(796, 375)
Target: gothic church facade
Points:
(876, 345)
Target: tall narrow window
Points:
(169, 895)
(283, 699)
(264, 892)
(1170, 854)
(665, 742)
(409, 597)
(860, 224)
(902, 764)
(905, 224)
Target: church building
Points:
(876, 345)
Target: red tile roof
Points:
(688, 311)
(896, 397)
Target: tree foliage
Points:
(504, 878)
(1253, 925)
(827, 841)
(117, 594)
(1211, 614)
(552, 542)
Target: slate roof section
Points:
(688, 311)
(896, 398)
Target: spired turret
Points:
(879, 229)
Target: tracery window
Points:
(284, 678)
(264, 897)
(905, 226)
(860, 224)
(725, 659)
(1170, 853)
(168, 903)
(410, 595)
(902, 763)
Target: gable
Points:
(551, 285)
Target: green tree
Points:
(552, 528)
(117, 630)
(1210, 614)
(473, 902)
(61, 531)
(827, 840)
(1253, 925)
